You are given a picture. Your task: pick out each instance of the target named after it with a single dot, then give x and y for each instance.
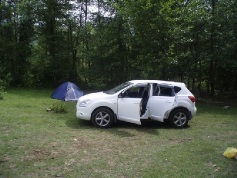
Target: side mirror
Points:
(123, 94)
(120, 95)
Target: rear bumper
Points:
(193, 112)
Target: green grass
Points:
(37, 143)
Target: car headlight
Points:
(84, 103)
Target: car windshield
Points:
(118, 88)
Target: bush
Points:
(4, 83)
(58, 108)
(2, 88)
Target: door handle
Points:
(168, 101)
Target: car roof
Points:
(158, 81)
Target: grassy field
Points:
(37, 143)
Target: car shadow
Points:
(123, 129)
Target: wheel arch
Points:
(180, 107)
(179, 117)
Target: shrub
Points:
(2, 88)
(4, 82)
(58, 108)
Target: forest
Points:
(100, 43)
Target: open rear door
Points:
(161, 101)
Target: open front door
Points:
(129, 104)
(129, 109)
(161, 101)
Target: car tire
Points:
(179, 118)
(102, 118)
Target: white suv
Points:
(139, 99)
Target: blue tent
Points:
(67, 91)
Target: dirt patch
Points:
(40, 154)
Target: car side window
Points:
(166, 91)
(177, 89)
(159, 90)
(134, 92)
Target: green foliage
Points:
(4, 81)
(2, 88)
(58, 108)
(43, 43)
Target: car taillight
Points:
(192, 98)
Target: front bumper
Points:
(83, 114)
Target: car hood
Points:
(94, 96)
